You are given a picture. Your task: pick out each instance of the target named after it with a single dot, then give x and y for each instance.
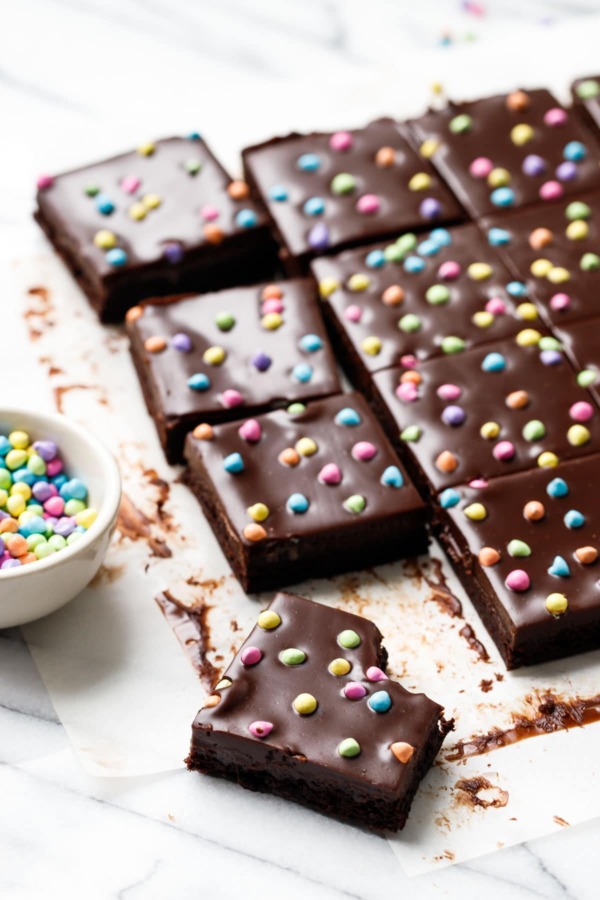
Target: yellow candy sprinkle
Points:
(19, 439)
(578, 435)
(437, 88)
(105, 239)
(19, 487)
(306, 446)
(339, 667)
(305, 704)
(489, 430)
(87, 517)
(428, 147)
(358, 282)
(3, 497)
(371, 345)
(521, 134)
(272, 321)
(138, 211)
(476, 511)
(268, 620)
(540, 268)
(528, 337)
(214, 356)
(420, 182)
(328, 286)
(15, 505)
(479, 271)
(498, 178)
(556, 604)
(558, 275)
(577, 230)
(146, 149)
(258, 511)
(527, 311)
(151, 201)
(483, 319)
(547, 460)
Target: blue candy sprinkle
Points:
(516, 289)
(297, 503)
(104, 204)
(428, 248)
(392, 476)
(5, 445)
(246, 218)
(116, 257)
(574, 519)
(314, 206)
(199, 382)
(74, 489)
(558, 487)
(309, 162)
(449, 498)
(348, 416)
(278, 193)
(375, 259)
(302, 373)
(379, 702)
(26, 476)
(414, 264)
(194, 136)
(441, 236)
(36, 525)
(559, 567)
(59, 480)
(499, 237)
(233, 463)
(493, 362)
(503, 196)
(310, 343)
(575, 151)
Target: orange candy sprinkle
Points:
(213, 700)
(238, 190)
(213, 234)
(446, 462)
(385, 157)
(534, 511)
(155, 344)
(540, 237)
(487, 556)
(586, 555)
(133, 314)
(289, 457)
(393, 296)
(518, 400)
(402, 751)
(203, 432)
(271, 292)
(411, 376)
(18, 546)
(518, 101)
(9, 525)
(254, 532)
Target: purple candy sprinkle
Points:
(42, 491)
(46, 449)
(182, 342)
(318, 237)
(261, 361)
(173, 252)
(454, 415)
(65, 526)
(430, 208)
(534, 165)
(567, 171)
(10, 564)
(2, 547)
(551, 357)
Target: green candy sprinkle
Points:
(36, 465)
(34, 539)
(292, 656)
(193, 166)
(5, 480)
(461, 124)
(348, 748)
(586, 377)
(577, 210)
(588, 89)
(394, 253)
(518, 548)
(590, 262)
(549, 343)
(348, 639)
(407, 242)
(74, 537)
(410, 434)
(356, 503)
(91, 190)
(294, 409)
(72, 507)
(452, 344)
(44, 550)
(534, 430)
(57, 542)
(409, 323)
(225, 321)
(437, 294)
(343, 183)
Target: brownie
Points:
(586, 99)
(163, 219)
(581, 342)
(509, 151)
(492, 411)
(324, 192)
(229, 355)
(419, 297)
(526, 547)
(305, 492)
(556, 249)
(306, 712)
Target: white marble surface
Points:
(78, 79)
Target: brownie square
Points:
(324, 192)
(229, 355)
(509, 151)
(162, 219)
(586, 99)
(305, 492)
(581, 342)
(306, 712)
(404, 302)
(526, 549)
(556, 250)
(492, 411)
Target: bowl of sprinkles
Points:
(60, 491)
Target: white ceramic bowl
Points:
(39, 588)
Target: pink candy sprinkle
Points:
(496, 306)
(44, 182)
(504, 451)
(560, 301)
(364, 451)
(478, 483)
(354, 690)
(481, 167)
(272, 306)
(209, 213)
(250, 656)
(550, 190)
(341, 140)
(409, 361)
(250, 431)
(449, 392)
(374, 673)
(555, 116)
(353, 313)
(330, 474)
(581, 411)
(407, 392)
(130, 184)
(54, 506)
(231, 398)
(260, 729)
(450, 270)
(368, 204)
(54, 467)
(517, 580)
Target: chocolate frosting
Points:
(581, 341)
(484, 131)
(266, 691)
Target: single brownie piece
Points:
(526, 549)
(305, 711)
(324, 192)
(586, 99)
(509, 150)
(162, 219)
(556, 249)
(581, 342)
(230, 355)
(305, 492)
(493, 410)
(417, 298)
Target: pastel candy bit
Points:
(374, 673)
(402, 751)
(250, 656)
(364, 451)
(559, 567)
(250, 431)
(392, 477)
(260, 729)
(330, 474)
(354, 690)
(518, 580)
